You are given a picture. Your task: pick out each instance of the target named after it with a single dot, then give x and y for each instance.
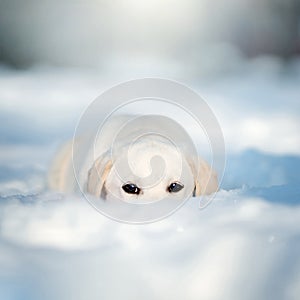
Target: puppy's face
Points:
(148, 172)
(145, 172)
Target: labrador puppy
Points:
(136, 170)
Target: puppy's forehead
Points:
(152, 157)
(147, 150)
(154, 146)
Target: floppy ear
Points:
(206, 179)
(98, 174)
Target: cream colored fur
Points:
(151, 164)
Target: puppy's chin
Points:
(142, 200)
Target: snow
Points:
(244, 245)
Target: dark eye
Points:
(175, 187)
(131, 188)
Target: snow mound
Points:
(244, 245)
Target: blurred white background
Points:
(133, 33)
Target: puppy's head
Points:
(149, 171)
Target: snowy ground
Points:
(245, 245)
